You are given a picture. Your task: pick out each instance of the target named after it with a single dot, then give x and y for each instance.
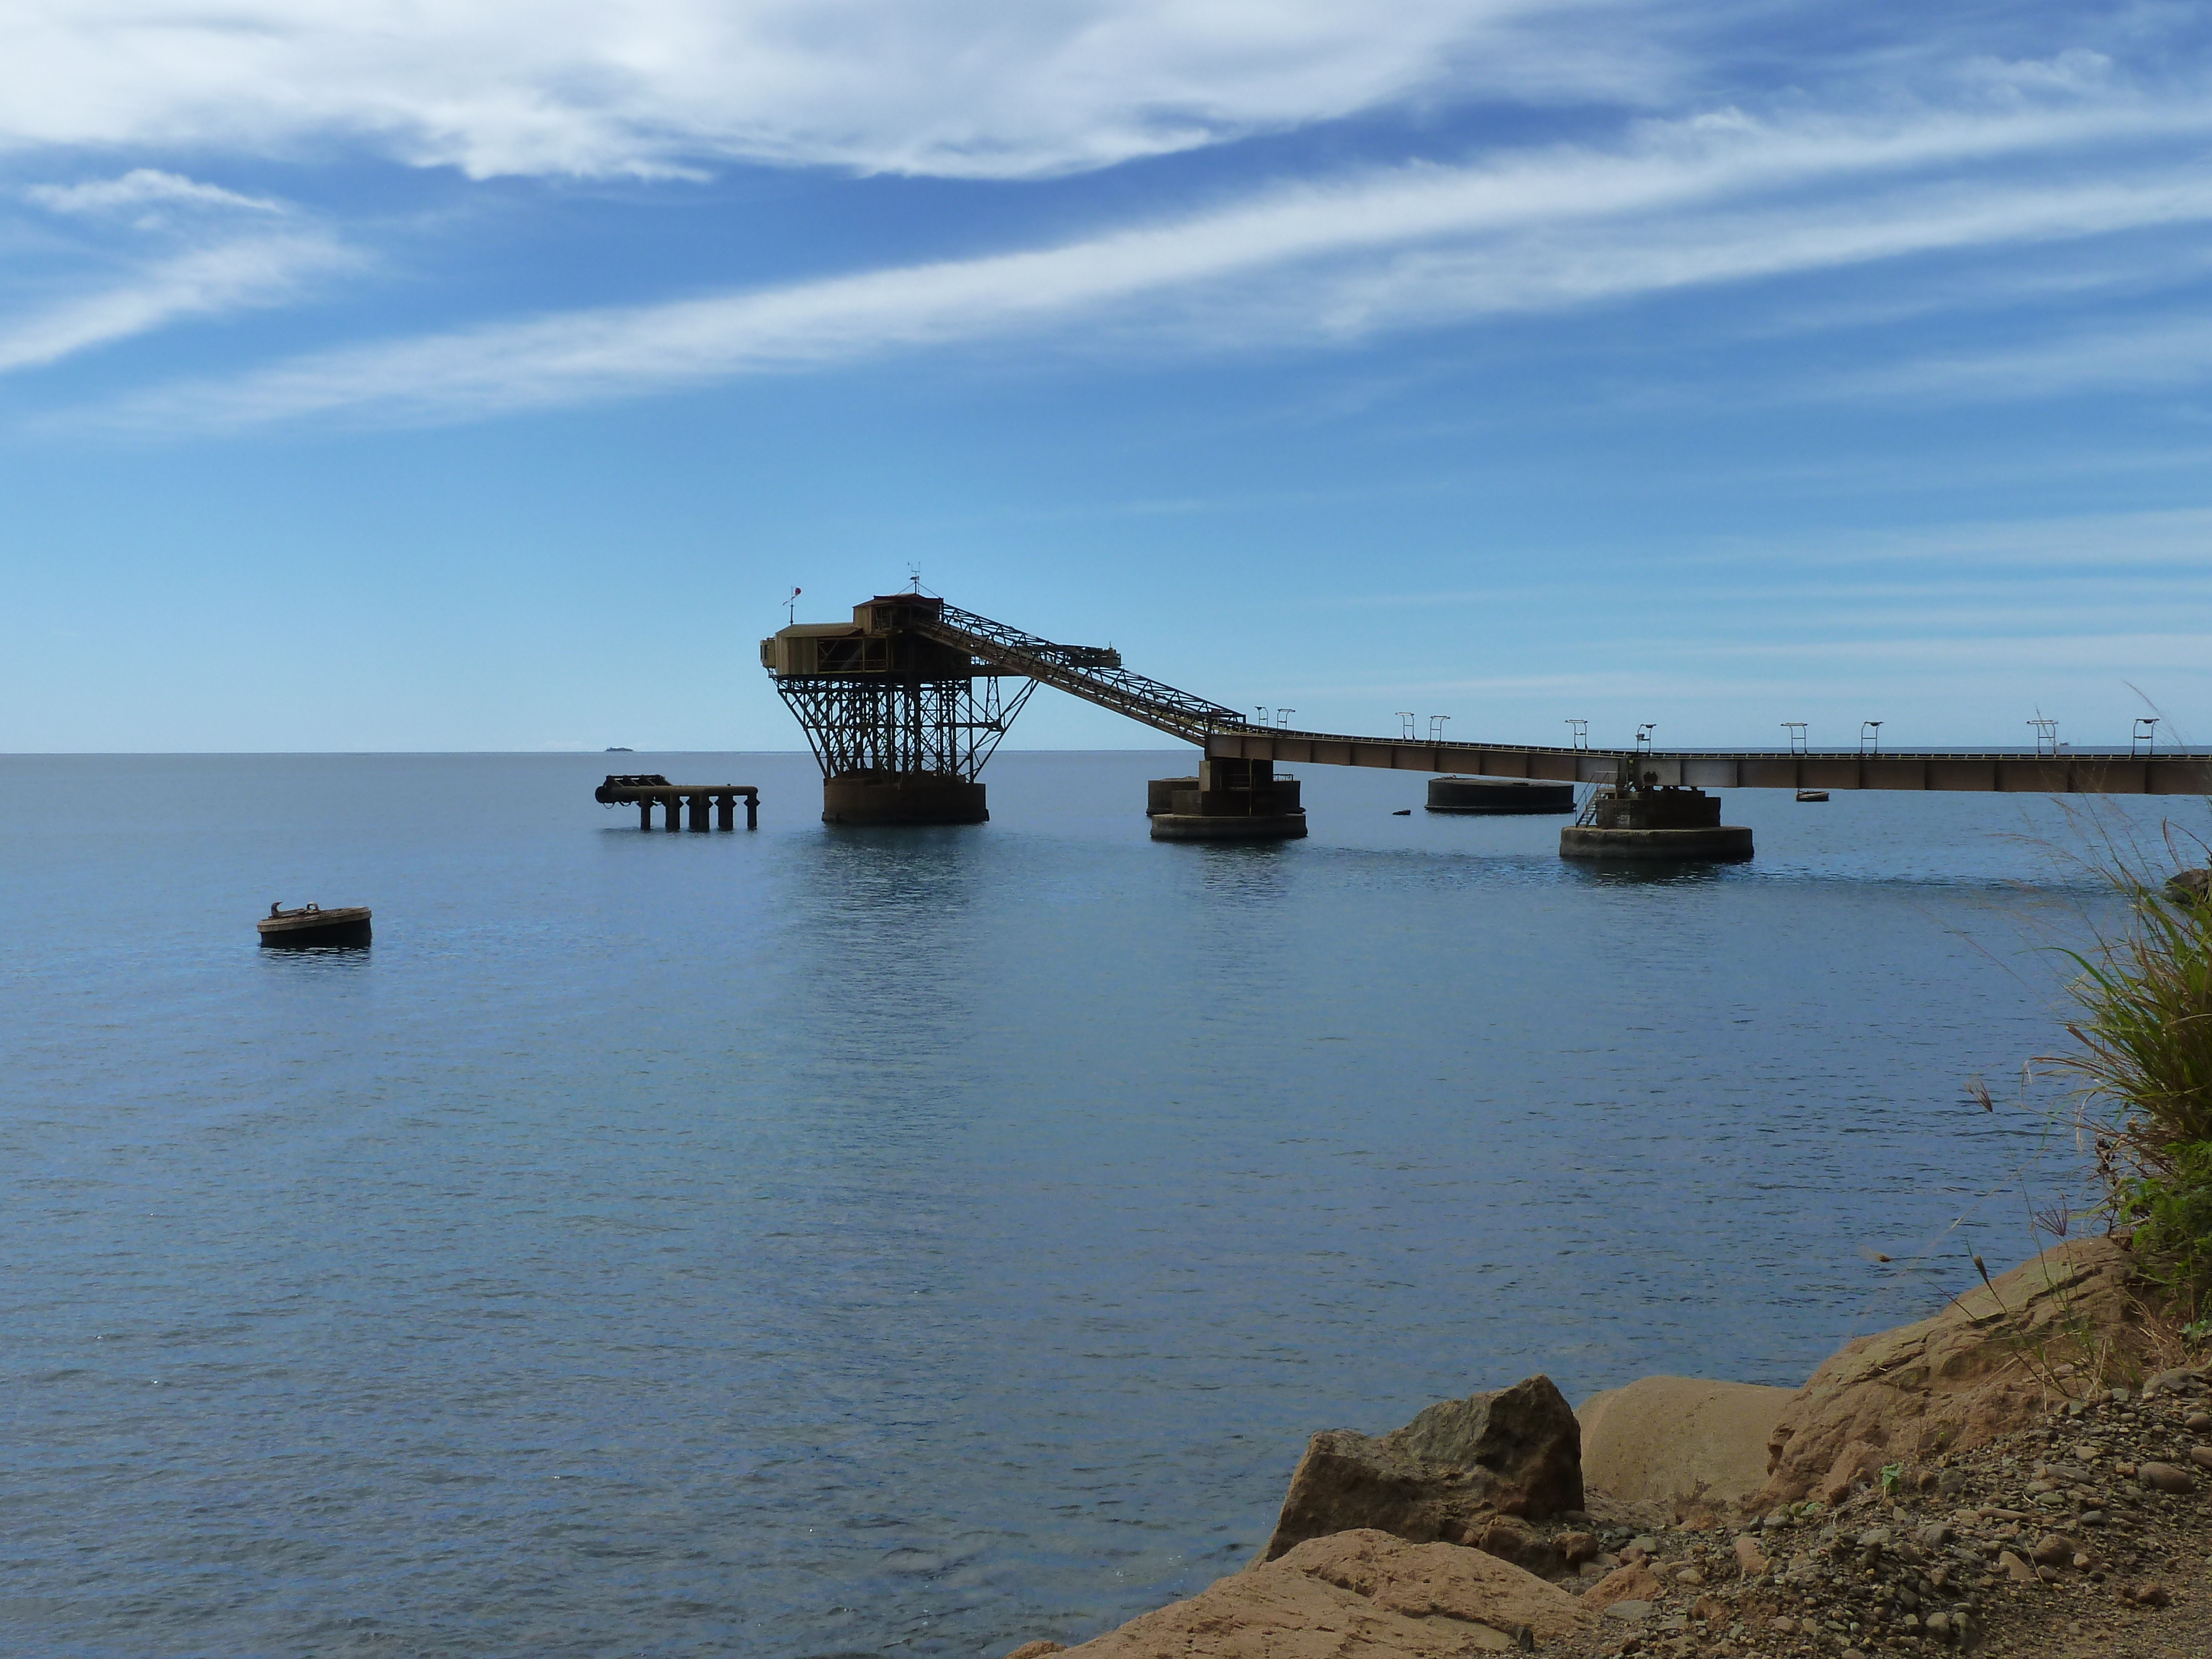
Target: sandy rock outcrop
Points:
(1635, 1583)
(1976, 1371)
(1445, 1475)
(1361, 1595)
(1677, 1439)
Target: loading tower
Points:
(902, 704)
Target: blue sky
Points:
(481, 376)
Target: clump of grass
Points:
(2141, 1053)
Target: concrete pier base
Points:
(1193, 826)
(1639, 819)
(1716, 844)
(1499, 795)
(1228, 800)
(1159, 793)
(901, 797)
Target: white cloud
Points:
(967, 88)
(1687, 203)
(2147, 352)
(145, 187)
(229, 277)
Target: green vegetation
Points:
(2143, 1053)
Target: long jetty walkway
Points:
(2068, 772)
(1095, 673)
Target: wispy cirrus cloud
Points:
(146, 187)
(2158, 350)
(970, 88)
(154, 248)
(234, 275)
(1714, 199)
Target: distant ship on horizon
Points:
(619, 749)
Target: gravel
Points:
(2087, 1535)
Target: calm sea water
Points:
(866, 1241)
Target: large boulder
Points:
(1985, 1365)
(1676, 1439)
(1361, 1595)
(1454, 1468)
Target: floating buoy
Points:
(1812, 794)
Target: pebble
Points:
(2051, 1550)
(2166, 1477)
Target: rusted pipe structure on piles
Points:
(649, 789)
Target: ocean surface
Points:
(835, 1242)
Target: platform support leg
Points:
(645, 813)
(673, 805)
(725, 811)
(698, 804)
(752, 811)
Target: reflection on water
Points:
(847, 1240)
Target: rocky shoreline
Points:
(2014, 1475)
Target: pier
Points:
(678, 801)
(904, 704)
